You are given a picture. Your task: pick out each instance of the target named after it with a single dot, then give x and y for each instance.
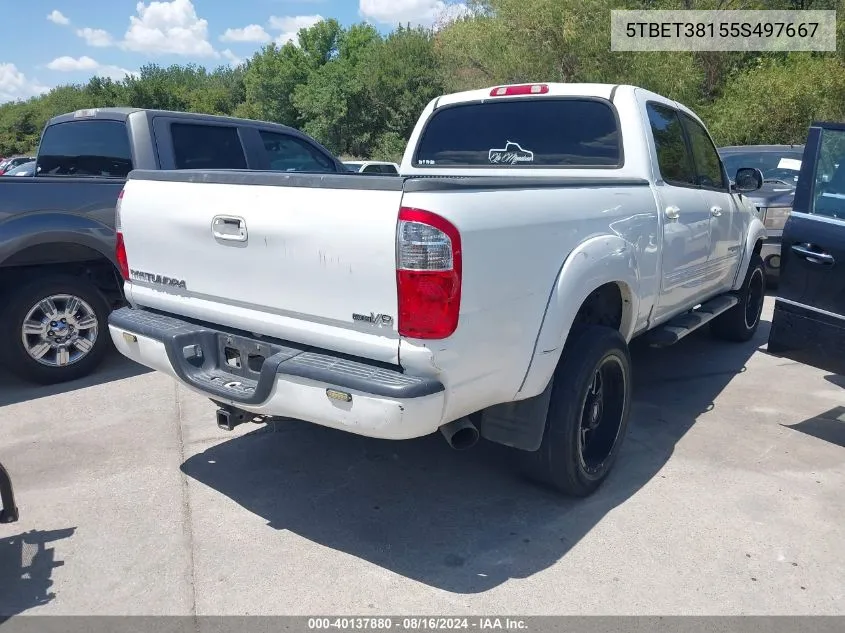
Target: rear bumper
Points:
(281, 379)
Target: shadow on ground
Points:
(828, 426)
(115, 367)
(461, 522)
(26, 567)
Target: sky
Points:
(45, 43)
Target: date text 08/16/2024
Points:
(418, 623)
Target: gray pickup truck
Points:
(59, 277)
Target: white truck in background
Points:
(491, 290)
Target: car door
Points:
(728, 221)
(809, 316)
(686, 219)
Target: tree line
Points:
(360, 92)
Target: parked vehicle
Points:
(474, 295)
(11, 163)
(372, 167)
(24, 169)
(809, 315)
(58, 273)
(780, 165)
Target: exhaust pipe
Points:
(460, 434)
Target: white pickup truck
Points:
(491, 290)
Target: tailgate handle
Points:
(229, 228)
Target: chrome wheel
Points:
(602, 414)
(59, 330)
(754, 302)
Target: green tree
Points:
(269, 82)
(400, 76)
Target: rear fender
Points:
(756, 233)
(596, 262)
(19, 234)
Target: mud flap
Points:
(519, 424)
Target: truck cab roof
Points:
(122, 114)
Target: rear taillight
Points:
(120, 247)
(428, 275)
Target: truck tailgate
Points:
(291, 262)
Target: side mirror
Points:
(747, 179)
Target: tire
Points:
(87, 322)
(740, 323)
(562, 461)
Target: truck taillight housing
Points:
(120, 247)
(523, 89)
(428, 274)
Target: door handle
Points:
(716, 211)
(230, 228)
(806, 251)
(673, 212)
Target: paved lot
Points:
(729, 498)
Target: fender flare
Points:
(598, 261)
(756, 233)
(55, 228)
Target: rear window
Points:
(85, 148)
(197, 146)
(522, 133)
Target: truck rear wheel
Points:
(55, 329)
(740, 323)
(588, 414)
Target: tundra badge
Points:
(153, 278)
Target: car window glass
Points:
(776, 166)
(830, 176)
(198, 146)
(673, 157)
(372, 169)
(522, 133)
(85, 148)
(708, 165)
(287, 153)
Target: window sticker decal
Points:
(511, 154)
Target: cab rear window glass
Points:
(522, 133)
(85, 148)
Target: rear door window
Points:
(197, 146)
(287, 153)
(708, 165)
(548, 132)
(673, 156)
(85, 148)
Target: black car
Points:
(780, 165)
(809, 316)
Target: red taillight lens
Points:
(120, 247)
(428, 275)
(526, 89)
(120, 256)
